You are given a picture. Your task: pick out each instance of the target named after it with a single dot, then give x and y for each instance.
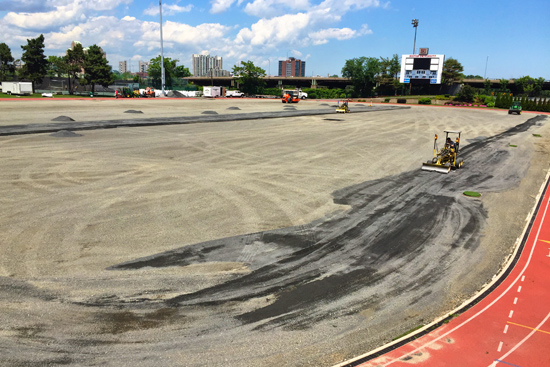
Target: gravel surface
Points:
(294, 241)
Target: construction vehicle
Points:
(515, 108)
(290, 96)
(343, 107)
(448, 157)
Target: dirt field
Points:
(298, 241)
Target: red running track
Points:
(509, 327)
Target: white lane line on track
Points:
(519, 289)
(511, 313)
(499, 347)
(525, 339)
(515, 300)
(506, 329)
(528, 262)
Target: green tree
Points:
(172, 72)
(389, 70)
(487, 86)
(466, 93)
(181, 72)
(498, 100)
(35, 63)
(57, 66)
(74, 61)
(249, 77)
(503, 85)
(363, 72)
(528, 85)
(452, 72)
(6, 61)
(538, 84)
(96, 69)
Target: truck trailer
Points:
(213, 92)
(20, 88)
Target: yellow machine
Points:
(342, 107)
(448, 157)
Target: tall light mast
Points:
(162, 77)
(414, 24)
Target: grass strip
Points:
(408, 332)
(472, 194)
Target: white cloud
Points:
(324, 35)
(64, 12)
(281, 27)
(219, 6)
(100, 5)
(270, 8)
(343, 6)
(31, 6)
(167, 9)
(285, 28)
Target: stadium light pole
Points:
(415, 25)
(162, 76)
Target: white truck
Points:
(234, 93)
(20, 88)
(296, 92)
(213, 92)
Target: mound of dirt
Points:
(62, 118)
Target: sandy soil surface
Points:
(48, 110)
(298, 241)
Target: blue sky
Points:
(508, 39)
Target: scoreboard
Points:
(422, 67)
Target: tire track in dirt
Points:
(412, 218)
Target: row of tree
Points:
(370, 75)
(504, 100)
(89, 65)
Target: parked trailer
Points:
(20, 88)
(213, 92)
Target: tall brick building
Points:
(292, 67)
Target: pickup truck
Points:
(234, 93)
